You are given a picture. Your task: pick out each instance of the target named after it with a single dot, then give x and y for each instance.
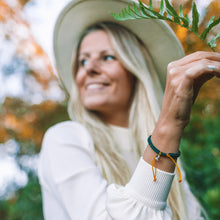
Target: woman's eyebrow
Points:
(87, 53)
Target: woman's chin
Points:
(95, 106)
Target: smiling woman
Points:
(104, 84)
(115, 74)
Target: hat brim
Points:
(160, 40)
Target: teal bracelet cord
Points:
(175, 155)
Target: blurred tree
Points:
(25, 120)
(24, 117)
(25, 205)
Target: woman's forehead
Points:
(96, 40)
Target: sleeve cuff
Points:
(142, 187)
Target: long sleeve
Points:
(73, 187)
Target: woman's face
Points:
(105, 86)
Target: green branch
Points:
(168, 13)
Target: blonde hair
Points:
(144, 111)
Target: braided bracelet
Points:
(159, 154)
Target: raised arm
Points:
(184, 80)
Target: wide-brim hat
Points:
(160, 40)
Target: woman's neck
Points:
(118, 119)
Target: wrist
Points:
(167, 137)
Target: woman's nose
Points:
(92, 67)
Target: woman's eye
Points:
(82, 62)
(109, 57)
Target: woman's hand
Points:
(184, 80)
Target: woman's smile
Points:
(96, 86)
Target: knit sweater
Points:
(73, 187)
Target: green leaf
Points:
(122, 16)
(170, 17)
(210, 26)
(135, 9)
(123, 13)
(187, 18)
(195, 19)
(168, 13)
(146, 11)
(151, 5)
(171, 11)
(212, 43)
(136, 13)
(182, 18)
(185, 22)
(162, 7)
(151, 13)
(115, 16)
(211, 20)
(181, 11)
(127, 14)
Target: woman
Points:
(98, 165)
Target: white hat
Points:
(160, 40)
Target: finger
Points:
(203, 68)
(201, 55)
(192, 76)
(196, 68)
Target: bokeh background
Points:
(31, 100)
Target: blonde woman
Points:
(99, 165)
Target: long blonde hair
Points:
(144, 111)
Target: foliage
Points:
(26, 205)
(168, 13)
(21, 119)
(201, 157)
(201, 152)
(27, 124)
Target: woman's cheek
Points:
(79, 78)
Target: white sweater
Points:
(73, 187)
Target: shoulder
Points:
(66, 148)
(67, 128)
(69, 133)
